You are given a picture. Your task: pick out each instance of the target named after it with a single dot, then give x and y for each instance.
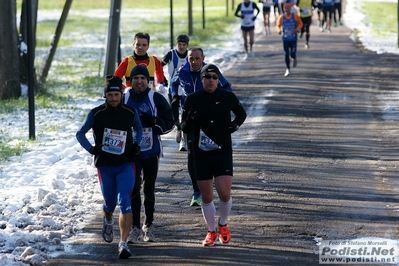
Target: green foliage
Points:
(10, 150)
(381, 17)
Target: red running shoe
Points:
(224, 234)
(210, 239)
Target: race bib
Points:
(247, 20)
(305, 11)
(114, 141)
(206, 144)
(147, 139)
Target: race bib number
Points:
(114, 141)
(147, 139)
(247, 20)
(289, 33)
(206, 144)
(305, 11)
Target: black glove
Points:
(147, 120)
(253, 19)
(232, 127)
(175, 101)
(135, 150)
(193, 114)
(96, 150)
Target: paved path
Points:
(316, 158)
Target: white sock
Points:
(224, 211)
(109, 222)
(209, 212)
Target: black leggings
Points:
(290, 51)
(150, 171)
(337, 6)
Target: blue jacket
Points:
(191, 81)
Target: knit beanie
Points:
(210, 68)
(140, 69)
(112, 83)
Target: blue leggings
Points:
(117, 184)
(289, 45)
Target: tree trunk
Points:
(9, 65)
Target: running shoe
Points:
(287, 73)
(124, 251)
(210, 239)
(108, 232)
(196, 199)
(335, 24)
(295, 63)
(148, 233)
(224, 234)
(340, 22)
(306, 46)
(183, 146)
(178, 135)
(134, 235)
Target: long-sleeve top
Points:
(214, 117)
(112, 127)
(154, 104)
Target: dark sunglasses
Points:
(211, 77)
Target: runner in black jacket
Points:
(207, 113)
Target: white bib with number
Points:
(147, 139)
(207, 144)
(114, 141)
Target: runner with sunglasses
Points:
(207, 115)
(188, 78)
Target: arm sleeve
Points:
(164, 120)
(167, 58)
(174, 84)
(237, 11)
(255, 6)
(187, 125)
(121, 69)
(137, 127)
(159, 70)
(239, 112)
(81, 134)
(278, 23)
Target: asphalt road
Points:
(315, 159)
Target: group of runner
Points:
(292, 18)
(127, 132)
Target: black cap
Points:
(210, 68)
(139, 69)
(112, 83)
(182, 38)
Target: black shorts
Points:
(266, 9)
(210, 166)
(243, 28)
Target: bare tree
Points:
(9, 57)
